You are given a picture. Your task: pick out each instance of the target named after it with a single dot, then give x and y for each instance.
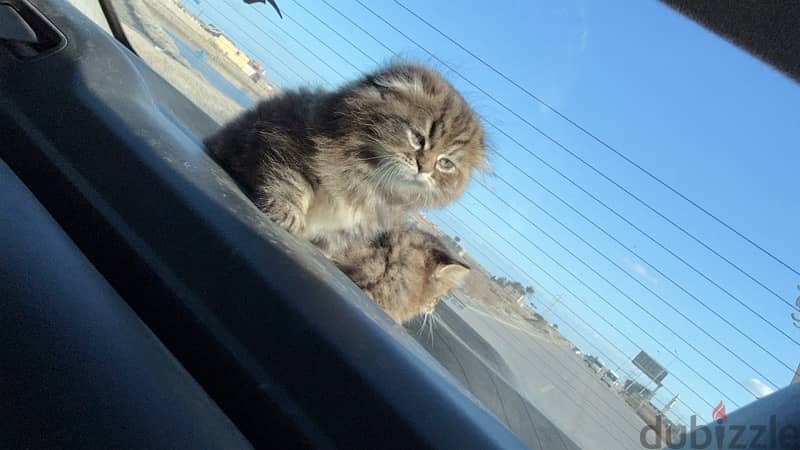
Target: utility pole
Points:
(669, 405)
(796, 319)
(556, 301)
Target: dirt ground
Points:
(481, 292)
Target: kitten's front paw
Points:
(286, 215)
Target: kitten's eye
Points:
(445, 165)
(417, 140)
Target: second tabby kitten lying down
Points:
(338, 167)
(405, 271)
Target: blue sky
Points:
(707, 118)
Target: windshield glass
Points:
(632, 248)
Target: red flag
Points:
(718, 413)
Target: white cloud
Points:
(640, 270)
(758, 388)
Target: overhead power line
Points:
(636, 280)
(566, 306)
(602, 317)
(390, 50)
(258, 43)
(276, 41)
(574, 155)
(647, 311)
(605, 205)
(600, 141)
(557, 361)
(311, 52)
(629, 223)
(317, 18)
(335, 31)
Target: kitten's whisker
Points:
(395, 173)
(430, 325)
(380, 157)
(421, 326)
(386, 172)
(376, 177)
(374, 158)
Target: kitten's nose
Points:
(424, 164)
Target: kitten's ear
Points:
(453, 274)
(401, 82)
(376, 87)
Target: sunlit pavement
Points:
(504, 365)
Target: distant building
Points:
(232, 52)
(250, 72)
(796, 378)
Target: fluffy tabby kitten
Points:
(335, 167)
(404, 270)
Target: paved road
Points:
(537, 388)
(481, 369)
